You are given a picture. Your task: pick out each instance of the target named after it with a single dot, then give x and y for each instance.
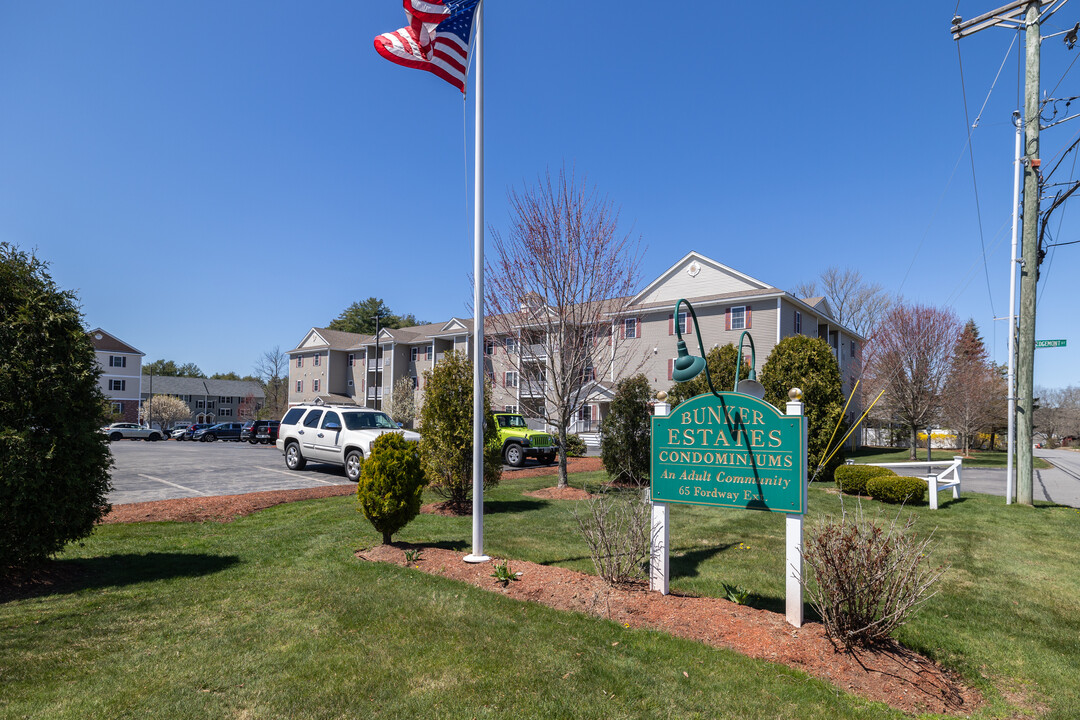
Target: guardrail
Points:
(944, 480)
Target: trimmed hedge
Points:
(896, 490)
(575, 446)
(852, 479)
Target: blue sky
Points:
(214, 178)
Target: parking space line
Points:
(157, 479)
(294, 475)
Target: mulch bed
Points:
(893, 675)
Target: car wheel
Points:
(154, 437)
(253, 441)
(354, 461)
(549, 459)
(209, 437)
(116, 436)
(293, 459)
(514, 456)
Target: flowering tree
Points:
(164, 411)
(911, 363)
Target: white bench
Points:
(947, 478)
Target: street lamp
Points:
(688, 366)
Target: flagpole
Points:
(478, 555)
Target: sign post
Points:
(660, 535)
(731, 450)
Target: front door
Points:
(328, 441)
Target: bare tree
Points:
(855, 303)
(1058, 413)
(554, 282)
(272, 369)
(974, 390)
(915, 345)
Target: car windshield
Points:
(368, 421)
(515, 421)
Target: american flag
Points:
(436, 39)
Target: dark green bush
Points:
(575, 446)
(852, 479)
(391, 484)
(896, 490)
(626, 432)
(54, 463)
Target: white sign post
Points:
(793, 526)
(659, 559)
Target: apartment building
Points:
(639, 336)
(121, 373)
(210, 401)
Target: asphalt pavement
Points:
(146, 471)
(1060, 484)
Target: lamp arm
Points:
(753, 358)
(701, 346)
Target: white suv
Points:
(336, 434)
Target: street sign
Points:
(730, 451)
(1049, 343)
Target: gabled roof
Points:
(324, 338)
(695, 276)
(106, 342)
(821, 304)
(168, 385)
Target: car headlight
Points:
(526, 441)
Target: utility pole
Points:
(1023, 14)
(1029, 268)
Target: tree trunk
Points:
(386, 539)
(563, 481)
(914, 448)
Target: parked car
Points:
(131, 431)
(178, 433)
(251, 429)
(335, 434)
(268, 434)
(519, 441)
(221, 431)
(191, 429)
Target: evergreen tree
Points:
(360, 318)
(391, 484)
(721, 362)
(972, 402)
(809, 364)
(54, 463)
(626, 432)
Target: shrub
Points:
(616, 528)
(54, 464)
(446, 443)
(626, 432)
(852, 479)
(721, 362)
(809, 364)
(575, 446)
(869, 576)
(896, 490)
(391, 484)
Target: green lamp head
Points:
(687, 366)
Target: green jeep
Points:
(519, 442)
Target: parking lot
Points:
(146, 471)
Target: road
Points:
(1060, 484)
(146, 471)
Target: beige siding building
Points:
(121, 374)
(641, 337)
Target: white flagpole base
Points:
(476, 558)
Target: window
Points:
(511, 345)
(510, 379)
(510, 408)
(683, 323)
(315, 385)
(117, 361)
(316, 359)
(852, 348)
(588, 374)
(414, 354)
(798, 322)
(331, 417)
(415, 382)
(120, 385)
(199, 404)
(630, 328)
(299, 386)
(738, 318)
(225, 400)
(225, 412)
(299, 361)
(209, 404)
(186, 398)
(430, 349)
(118, 408)
(670, 367)
(352, 359)
(312, 419)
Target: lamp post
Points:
(375, 400)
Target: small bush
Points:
(616, 527)
(625, 433)
(852, 479)
(575, 446)
(391, 484)
(896, 490)
(869, 576)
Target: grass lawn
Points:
(271, 616)
(979, 458)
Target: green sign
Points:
(730, 451)
(1049, 343)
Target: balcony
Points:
(532, 388)
(535, 352)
